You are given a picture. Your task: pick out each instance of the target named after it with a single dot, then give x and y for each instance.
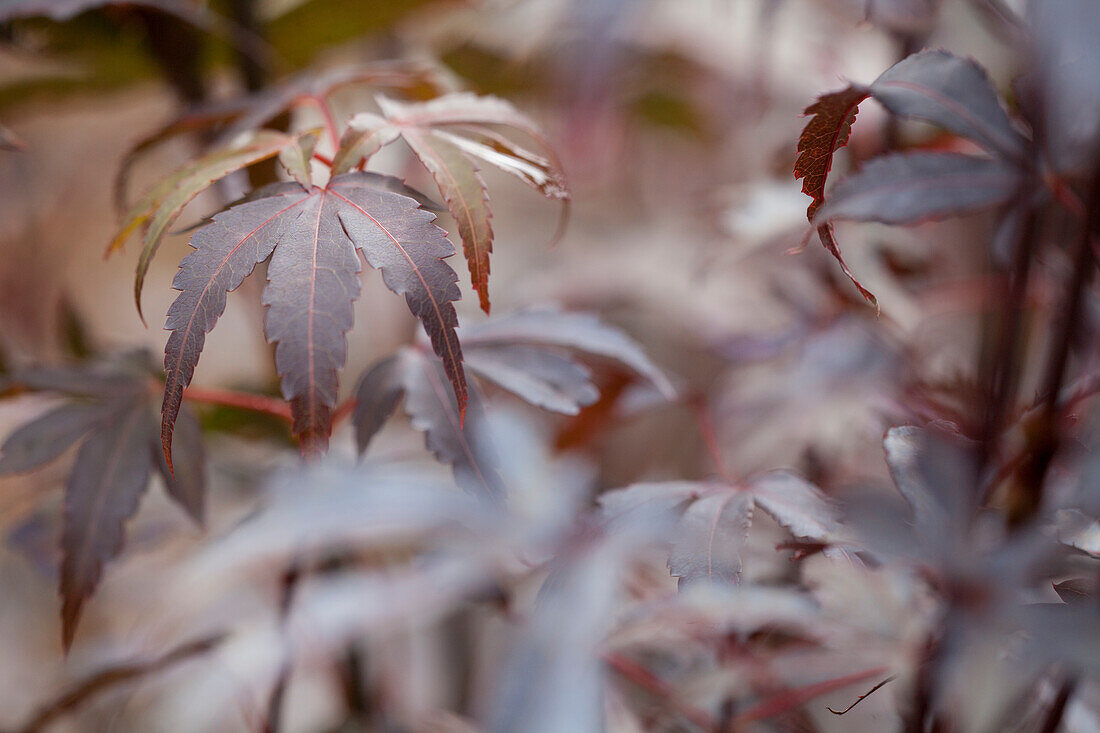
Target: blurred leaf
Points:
(713, 527)
(118, 450)
(411, 375)
(1065, 59)
(710, 536)
(552, 679)
(9, 140)
(907, 189)
(550, 327)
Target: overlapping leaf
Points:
(933, 86)
(526, 353)
(903, 189)
(716, 518)
(313, 236)
(164, 202)
(413, 376)
(449, 136)
(227, 120)
(111, 416)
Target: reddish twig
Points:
(709, 434)
(242, 400)
(657, 687)
(330, 121)
(864, 696)
(111, 677)
(323, 158)
(790, 699)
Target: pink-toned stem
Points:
(242, 400)
(343, 410)
(790, 699)
(709, 434)
(657, 687)
(330, 121)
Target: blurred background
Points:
(677, 123)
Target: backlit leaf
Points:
(446, 134)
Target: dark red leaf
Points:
(828, 130)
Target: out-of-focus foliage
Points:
(709, 489)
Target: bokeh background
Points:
(676, 121)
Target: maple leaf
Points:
(229, 119)
(413, 376)
(526, 353)
(716, 518)
(312, 236)
(164, 202)
(111, 415)
(933, 86)
(828, 130)
(449, 135)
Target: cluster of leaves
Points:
(931, 86)
(110, 411)
(951, 590)
(313, 234)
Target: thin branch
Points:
(790, 699)
(1069, 330)
(344, 410)
(864, 696)
(330, 121)
(659, 689)
(242, 400)
(114, 676)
